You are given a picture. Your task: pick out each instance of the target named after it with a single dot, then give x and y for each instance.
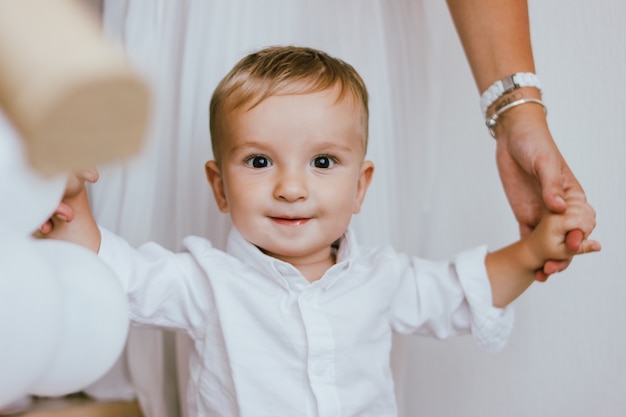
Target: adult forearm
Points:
(495, 35)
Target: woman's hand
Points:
(535, 176)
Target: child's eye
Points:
(258, 161)
(323, 161)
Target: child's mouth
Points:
(285, 221)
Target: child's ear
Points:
(214, 176)
(365, 178)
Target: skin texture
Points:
(496, 38)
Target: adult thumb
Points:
(550, 174)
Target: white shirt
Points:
(269, 343)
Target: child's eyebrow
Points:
(333, 146)
(238, 147)
(320, 147)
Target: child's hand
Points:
(65, 212)
(551, 241)
(73, 221)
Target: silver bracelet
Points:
(506, 85)
(491, 121)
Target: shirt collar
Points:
(284, 272)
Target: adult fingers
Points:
(573, 239)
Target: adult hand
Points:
(534, 175)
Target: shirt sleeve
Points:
(445, 299)
(163, 288)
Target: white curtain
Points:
(435, 192)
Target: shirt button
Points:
(306, 296)
(320, 368)
(283, 269)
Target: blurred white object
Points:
(30, 316)
(114, 385)
(63, 316)
(76, 102)
(94, 322)
(27, 198)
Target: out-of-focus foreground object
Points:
(63, 314)
(70, 93)
(71, 101)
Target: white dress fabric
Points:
(185, 47)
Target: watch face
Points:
(510, 83)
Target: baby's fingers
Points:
(588, 246)
(63, 213)
(580, 218)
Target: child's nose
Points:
(291, 186)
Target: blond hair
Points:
(283, 70)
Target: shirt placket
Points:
(321, 347)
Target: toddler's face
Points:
(292, 173)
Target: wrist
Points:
(507, 85)
(530, 253)
(521, 109)
(512, 96)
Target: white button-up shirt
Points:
(269, 343)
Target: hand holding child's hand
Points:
(561, 236)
